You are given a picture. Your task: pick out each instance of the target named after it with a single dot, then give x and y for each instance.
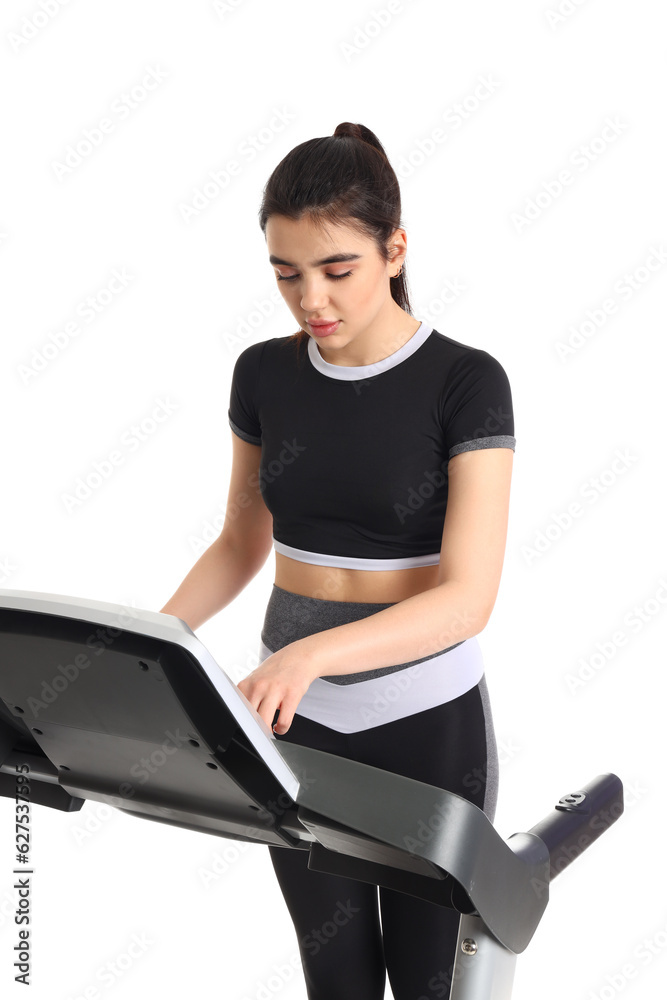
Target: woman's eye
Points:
(336, 277)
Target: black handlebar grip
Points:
(579, 819)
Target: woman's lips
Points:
(324, 331)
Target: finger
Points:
(286, 718)
(267, 708)
(273, 718)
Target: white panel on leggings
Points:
(351, 708)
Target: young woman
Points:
(374, 454)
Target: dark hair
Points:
(340, 178)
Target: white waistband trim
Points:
(354, 562)
(350, 708)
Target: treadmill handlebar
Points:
(578, 819)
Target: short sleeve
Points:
(477, 407)
(243, 410)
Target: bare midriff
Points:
(332, 583)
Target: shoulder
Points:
(475, 398)
(263, 355)
(273, 347)
(462, 362)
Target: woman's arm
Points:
(238, 553)
(471, 560)
(458, 607)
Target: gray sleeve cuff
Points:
(496, 441)
(250, 438)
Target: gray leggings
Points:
(351, 934)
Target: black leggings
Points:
(352, 934)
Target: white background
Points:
(193, 303)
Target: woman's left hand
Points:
(279, 682)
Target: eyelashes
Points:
(334, 277)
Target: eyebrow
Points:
(337, 258)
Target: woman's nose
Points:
(313, 297)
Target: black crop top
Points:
(353, 465)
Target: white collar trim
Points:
(352, 372)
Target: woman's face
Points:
(354, 291)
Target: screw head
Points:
(468, 946)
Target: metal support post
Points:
(483, 966)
